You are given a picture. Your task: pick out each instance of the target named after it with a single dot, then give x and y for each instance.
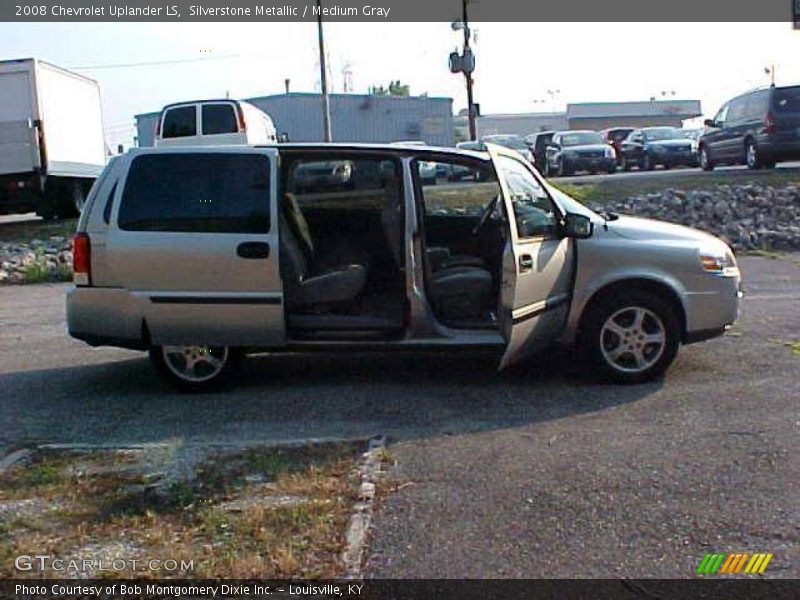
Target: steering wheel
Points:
(487, 212)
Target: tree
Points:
(396, 88)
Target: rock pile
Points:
(51, 259)
(749, 217)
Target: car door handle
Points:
(525, 263)
(253, 250)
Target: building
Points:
(593, 115)
(354, 118)
(602, 115)
(522, 123)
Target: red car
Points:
(615, 137)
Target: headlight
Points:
(718, 261)
(610, 153)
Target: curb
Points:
(368, 471)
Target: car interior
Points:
(342, 247)
(341, 277)
(463, 235)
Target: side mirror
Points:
(578, 226)
(710, 123)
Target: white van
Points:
(213, 123)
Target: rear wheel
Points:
(752, 157)
(631, 336)
(196, 368)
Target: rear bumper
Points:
(105, 317)
(780, 150)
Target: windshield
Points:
(662, 133)
(513, 142)
(581, 138)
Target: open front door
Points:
(537, 261)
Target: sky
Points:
(517, 63)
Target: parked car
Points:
(758, 128)
(571, 151)
(537, 143)
(246, 263)
(213, 123)
(514, 142)
(615, 136)
(649, 147)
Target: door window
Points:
(534, 212)
(219, 118)
(179, 122)
(456, 189)
(736, 112)
(192, 192)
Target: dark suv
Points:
(758, 128)
(537, 142)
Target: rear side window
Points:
(219, 118)
(109, 203)
(204, 193)
(179, 122)
(786, 100)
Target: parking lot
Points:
(536, 471)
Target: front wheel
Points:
(196, 368)
(632, 336)
(705, 160)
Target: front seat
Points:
(305, 286)
(393, 221)
(456, 291)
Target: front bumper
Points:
(580, 163)
(710, 312)
(675, 159)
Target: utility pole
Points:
(468, 74)
(326, 105)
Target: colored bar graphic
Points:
(734, 562)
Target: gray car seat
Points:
(457, 291)
(305, 286)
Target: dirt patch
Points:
(257, 512)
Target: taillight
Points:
(240, 118)
(81, 259)
(769, 123)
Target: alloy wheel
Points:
(195, 364)
(633, 339)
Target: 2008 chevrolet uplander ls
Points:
(200, 255)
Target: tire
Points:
(618, 347)
(171, 361)
(563, 170)
(611, 170)
(46, 206)
(626, 166)
(752, 157)
(705, 160)
(646, 164)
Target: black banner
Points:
(442, 589)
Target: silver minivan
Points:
(201, 255)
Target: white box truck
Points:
(51, 138)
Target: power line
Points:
(155, 63)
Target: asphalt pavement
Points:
(537, 471)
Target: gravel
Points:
(749, 217)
